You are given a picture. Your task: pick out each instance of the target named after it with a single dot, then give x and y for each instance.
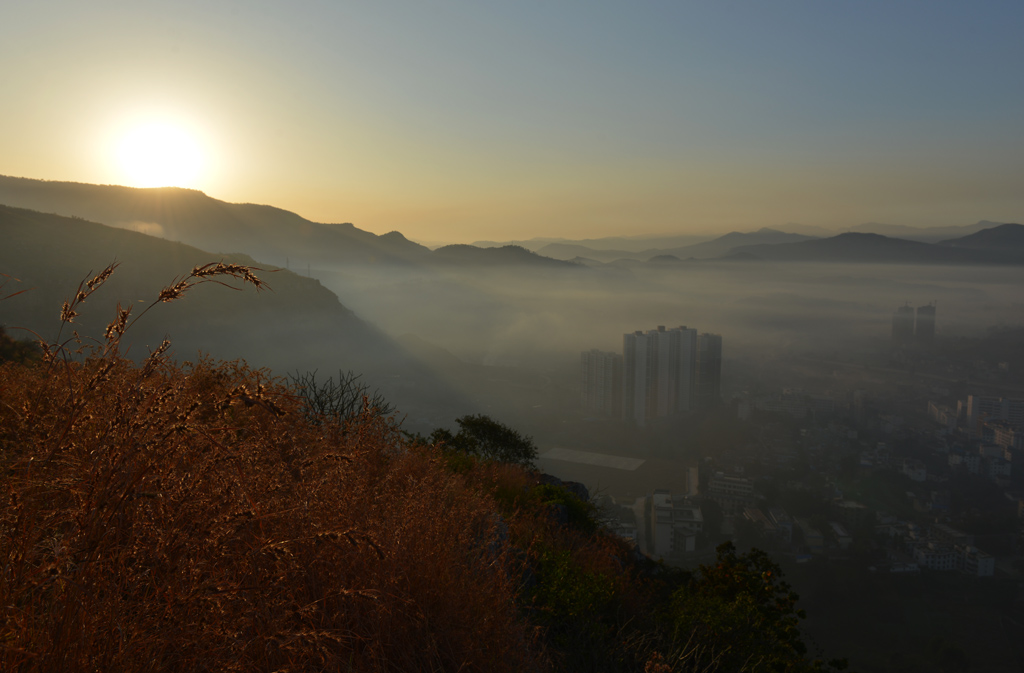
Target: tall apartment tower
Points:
(709, 370)
(924, 331)
(903, 326)
(601, 384)
(635, 377)
(659, 370)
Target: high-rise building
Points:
(709, 370)
(601, 384)
(659, 369)
(635, 377)
(903, 326)
(924, 330)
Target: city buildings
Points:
(924, 329)
(903, 326)
(906, 330)
(675, 523)
(661, 373)
(709, 370)
(732, 494)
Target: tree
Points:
(486, 438)
(342, 400)
(17, 351)
(740, 609)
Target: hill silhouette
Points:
(1003, 237)
(298, 325)
(263, 232)
(921, 234)
(503, 256)
(190, 216)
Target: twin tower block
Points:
(660, 373)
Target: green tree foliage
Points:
(488, 439)
(741, 610)
(16, 351)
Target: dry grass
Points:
(157, 517)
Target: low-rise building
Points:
(843, 537)
(732, 494)
(675, 523)
(936, 556)
(975, 562)
(915, 469)
(813, 539)
(783, 523)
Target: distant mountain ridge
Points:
(504, 255)
(921, 234)
(1002, 237)
(287, 239)
(263, 232)
(626, 244)
(873, 248)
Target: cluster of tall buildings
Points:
(908, 329)
(660, 373)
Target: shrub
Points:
(488, 439)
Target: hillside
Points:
(297, 325)
(159, 517)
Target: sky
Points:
(462, 121)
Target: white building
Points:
(675, 523)
(936, 556)
(732, 494)
(975, 562)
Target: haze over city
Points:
(491, 337)
(458, 122)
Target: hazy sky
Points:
(498, 120)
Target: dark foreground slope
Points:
(158, 517)
(297, 325)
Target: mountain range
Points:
(1001, 244)
(283, 238)
(269, 234)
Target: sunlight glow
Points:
(159, 155)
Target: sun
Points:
(159, 155)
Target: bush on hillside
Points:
(483, 437)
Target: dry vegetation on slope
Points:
(157, 516)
